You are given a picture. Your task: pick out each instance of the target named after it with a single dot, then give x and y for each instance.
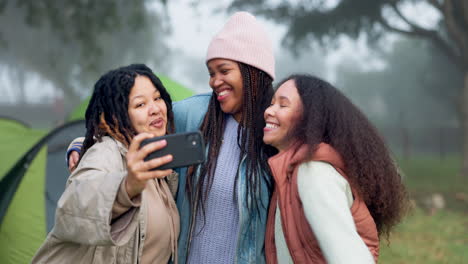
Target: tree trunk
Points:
(464, 109)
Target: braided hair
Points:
(107, 112)
(257, 94)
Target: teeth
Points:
(269, 125)
(223, 93)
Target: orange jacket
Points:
(300, 238)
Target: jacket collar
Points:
(283, 164)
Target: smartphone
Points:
(186, 149)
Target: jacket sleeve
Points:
(84, 211)
(75, 145)
(189, 113)
(327, 198)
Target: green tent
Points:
(29, 192)
(175, 89)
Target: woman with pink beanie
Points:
(223, 203)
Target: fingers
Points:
(148, 149)
(136, 141)
(155, 174)
(73, 160)
(157, 162)
(140, 171)
(138, 153)
(144, 166)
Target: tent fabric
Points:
(14, 122)
(16, 137)
(29, 193)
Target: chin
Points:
(159, 133)
(226, 110)
(267, 141)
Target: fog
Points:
(52, 53)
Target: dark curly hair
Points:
(257, 94)
(107, 112)
(330, 117)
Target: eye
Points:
(225, 71)
(158, 98)
(211, 74)
(139, 105)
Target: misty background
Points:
(52, 52)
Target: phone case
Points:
(186, 149)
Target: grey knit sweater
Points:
(215, 239)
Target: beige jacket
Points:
(84, 231)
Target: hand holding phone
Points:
(140, 171)
(186, 149)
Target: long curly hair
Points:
(257, 94)
(107, 112)
(330, 117)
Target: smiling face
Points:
(146, 109)
(282, 116)
(226, 82)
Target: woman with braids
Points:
(115, 209)
(337, 189)
(223, 203)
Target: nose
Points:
(153, 108)
(216, 81)
(269, 112)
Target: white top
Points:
(327, 198)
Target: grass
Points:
(425, 237)
(440, 238)
(425, 176)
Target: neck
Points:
(237, 116)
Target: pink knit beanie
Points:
(243, 39)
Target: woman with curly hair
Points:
(115, 209)
(337, 189)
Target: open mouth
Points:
(270, 126)
(223, 94)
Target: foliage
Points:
(319, 20)
(325, 21)
(71, 43)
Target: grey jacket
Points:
(84, 231)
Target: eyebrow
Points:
(219, 66)
(283, 97)
(138, 96)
